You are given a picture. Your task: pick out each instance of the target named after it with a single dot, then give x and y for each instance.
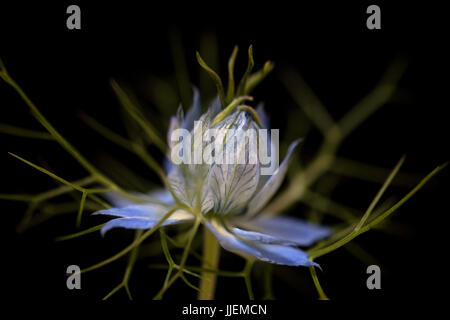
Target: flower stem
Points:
(211, 253)
(322, 295)
(247, 277)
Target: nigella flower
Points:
(228, 196)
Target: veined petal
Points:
(268, 252)
(233, 184)
(188, 181)
(180, 185)
(268, 190)
(297, 231)
(184, 181)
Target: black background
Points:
(65, 71)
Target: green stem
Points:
(99, 177)
(211, 254)
(247, 277)
(313, 254)
(322, 295)
(184, 257)
(135, 243)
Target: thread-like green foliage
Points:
(354, 223)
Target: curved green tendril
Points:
(215, 77)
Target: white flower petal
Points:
(272, 185)
(232, 185)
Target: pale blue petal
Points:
(285, 255)
(290, 229)
(173, 124)
(138, 217)
(127, 223)
(117, 200)
(180, 114)
(194, 111)
(260, 237)
(167, 165)
(263, 116)
(162, 195)
(273, 253)
(214, 108)
(180, 121)
(138, 223)
(268, 190)
(158, 196)
(149, 210)
(146, 211)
